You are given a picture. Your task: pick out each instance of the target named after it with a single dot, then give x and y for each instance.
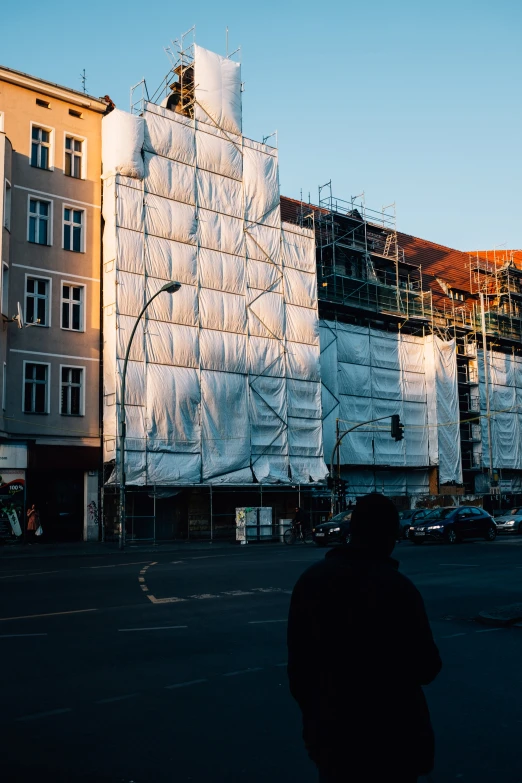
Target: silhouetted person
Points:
(360, 648)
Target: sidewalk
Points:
(96, 548)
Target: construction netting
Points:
(505, 404)
(368, 374)
(223, 382)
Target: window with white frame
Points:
(7, 205)
(37, 301)
(5, 288)
(72, 307)
(36, 380)
(39, 230)
(71, 399)
(73, 224)
(73, 157)
(40, 147)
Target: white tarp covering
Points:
(441, 358)
(366, 374)
(224, 382)
(505, 402)
(122, 142)
(218, 90)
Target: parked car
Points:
(509, 521)
(335, 531)
(453, 524)
(409, 517)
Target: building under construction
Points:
(381, 291)
(294, 323)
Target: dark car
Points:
(453, 524)
(410, 517)
(335, 531)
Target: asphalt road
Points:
(125, 668)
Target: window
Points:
(39, 221)
(44, 104)
(5, 289)
(73, 157)
(36, 379)
(73, 220)
(71, 399)
(37, 301)
(72, 307)
(75, 113)
(7, 205)
(40, 147)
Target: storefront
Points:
(13, 468)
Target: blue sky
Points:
(413, 102)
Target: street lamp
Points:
(170, 288)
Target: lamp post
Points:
(170, 288)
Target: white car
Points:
(510, 521)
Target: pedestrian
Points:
(360, 648)
(33, 522)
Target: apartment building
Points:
(50, 167)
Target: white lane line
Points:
(31, 573)
(282, 664)
(461, 565)
(490, 630)
(453, 635)
(153, 628)
(262, 622)
(184, 684)
(118, 565)
(243, 671)
(203, 596)
(116, 698)
(47, 714)
(19, 635)
(47, 614)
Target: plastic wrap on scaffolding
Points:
(223, 385)
(441, 362)
(368, 374)
(505, 404)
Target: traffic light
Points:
(397, 428)
(342, 488)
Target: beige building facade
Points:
(50, 167)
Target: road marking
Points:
(203, 596)
(153, 628)
(243, 671)
(453, 635)
(116, 698)
(282, 664)
(261, 622)
(47, 614)
(490, 630)
(19, 635)
(31, 573)
(173, 600)
(184, 684)
(118, 565)
(44, 714)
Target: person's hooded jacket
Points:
(360, 648)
